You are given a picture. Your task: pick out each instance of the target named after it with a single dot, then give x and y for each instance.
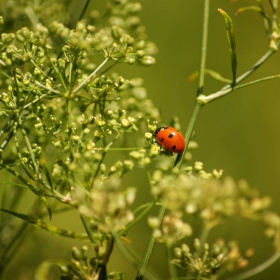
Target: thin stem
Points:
(84, 10)
(265, 57)
(19, 154)
(31, 15)
(7, 125)
(88, 229)
(203, 238)
(190, 128)
(59, 74)
(203, 47)
(172, 269)
(227, 89)
(34, 101)
(258, 81)
(139, 217)
(5, 142)
(16, 174)
(148, 252)
(47, 88)
(132, 258)
(92, 75)
(103, 156)
(38, 68)
(257, 269)
(28, 145)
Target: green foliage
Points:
(63, 114)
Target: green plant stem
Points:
(257, 269)
(59, 74)
(148, 252)
(227, 89)
(172, 268)
(104, 153)
(32, 16)
(258, 81)
(47, 88)
(203, 47)
(28, 145)
(88, 229)
(203, 238)
(16, 174)
(34, 101)
(84, 10)
(91, 76)
(139, 217)
(197, 107)
(190, 129)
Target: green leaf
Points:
(217, 76)
(211, 73)
(48, 176)
(232, 45)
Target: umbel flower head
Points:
(108, 207)
(208, 198)
(207, 260)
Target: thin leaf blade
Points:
(232, 44)
(48, 227)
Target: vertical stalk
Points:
(203, 47)
(88, 229)
(190, 128)
(149, 250)
(172, 268)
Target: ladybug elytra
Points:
(171, 139)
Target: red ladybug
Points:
(171, 139)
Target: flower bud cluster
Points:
(87, 268)
(207, 261)
(108, 209)
(272, 221)
(172, 228)
(210, 199)
(27, 159)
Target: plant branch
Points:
(227, 89)
(91, 76)
(148, 207)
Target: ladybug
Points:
(171, 139)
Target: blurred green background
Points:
(239, 133)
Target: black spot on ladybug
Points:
(162, 139)
(174, 147)
(172, 134)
